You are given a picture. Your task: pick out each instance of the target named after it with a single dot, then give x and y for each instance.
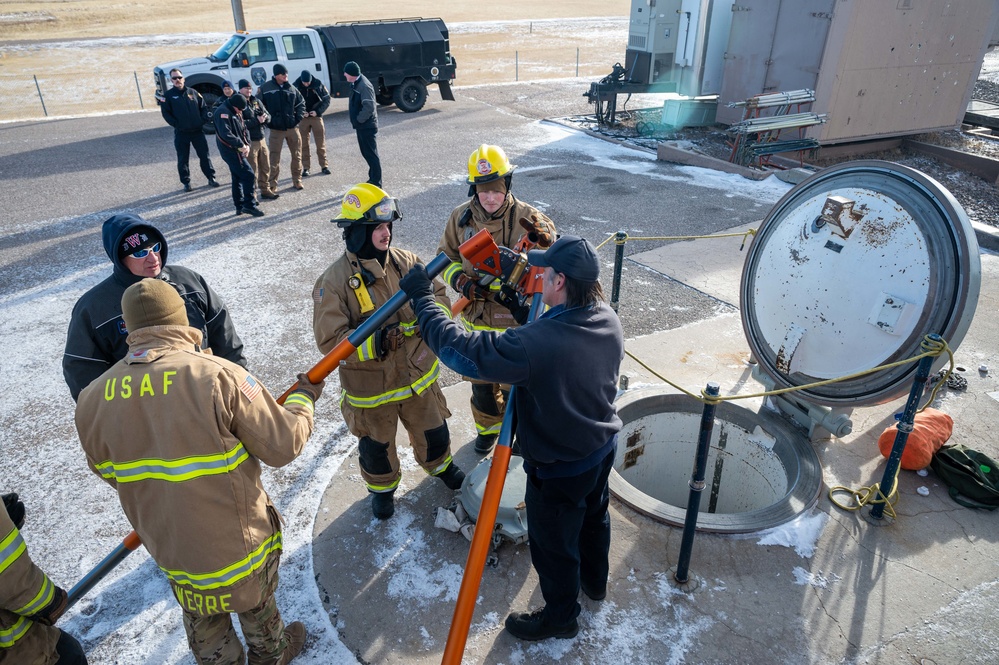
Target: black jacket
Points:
(96, 337)
(317, 97)
(565, 366)
(285, 104)
(253, 109)
(362, 108)
(184, 110)
(230, 130)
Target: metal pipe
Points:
(696, 486)
(619, 239)
(100, 571)
(904, 427)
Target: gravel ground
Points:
(563, 99)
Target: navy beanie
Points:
(227, 84)
(306, 76)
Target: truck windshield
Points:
(227, 49)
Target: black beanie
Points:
(238, 102)
(243, 83)
(352, 69)
(280, 69)
(306, 76)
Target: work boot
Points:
(252, 210)
(212, 182)
(533, 627)
(484, 443)
(305, 173)
(187, 187)
(298, 185)
(452, 476)
(239, 210)
(382, 504)
(270, 195)
(295, 634)
(326, 170)
(593, 593)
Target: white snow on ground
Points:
(817, 580)
(801, 533)
(74, 519)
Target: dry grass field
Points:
(90, 56)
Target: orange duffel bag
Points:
(930, 431)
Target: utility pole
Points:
(237, 15)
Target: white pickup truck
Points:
(400, 57)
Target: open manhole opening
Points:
(761, 470)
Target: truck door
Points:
(303, 52)
(254, 60)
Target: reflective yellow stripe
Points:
(230, 574)
(451, 271)
(44, 596)
(397, 395)
(487, 431)
(381, 489)
(301, 399)
(174, 471)
(366, 351)
(472, 327)
(10, 635)
(441, 468)
(10, 548)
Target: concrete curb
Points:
(988, 236)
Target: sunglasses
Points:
(177, 78)
(143, 253)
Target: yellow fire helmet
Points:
(367, 204)
(488, 163)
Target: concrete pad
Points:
(712, 266)
(921, 588)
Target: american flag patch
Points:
(250, 387)
(317, 295)
(139, 354)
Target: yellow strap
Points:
(356, 282)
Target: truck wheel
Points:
(384, 97)
(211, 97)
(410, 96)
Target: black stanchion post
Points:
(904, 427)
(40, 98)
(618, 262)
(696, 486)
(138, 89)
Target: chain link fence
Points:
(30, 97)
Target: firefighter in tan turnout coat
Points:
(181, 434)
(393, 375)
(494, 208)
(29, 602)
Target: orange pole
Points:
(461, 620)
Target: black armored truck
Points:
(401, 57)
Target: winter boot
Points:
(452, 476)
(295, 634)
(533, 627)
(382, 504)
(484, 443)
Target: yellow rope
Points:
(867, 495)
(621, 241)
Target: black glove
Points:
(509, 298)
(465, 285)
(313, 390)
(416, 283)
(51, 613)
(15, 509)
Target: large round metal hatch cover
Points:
(849, 270)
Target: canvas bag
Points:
(972, 477)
